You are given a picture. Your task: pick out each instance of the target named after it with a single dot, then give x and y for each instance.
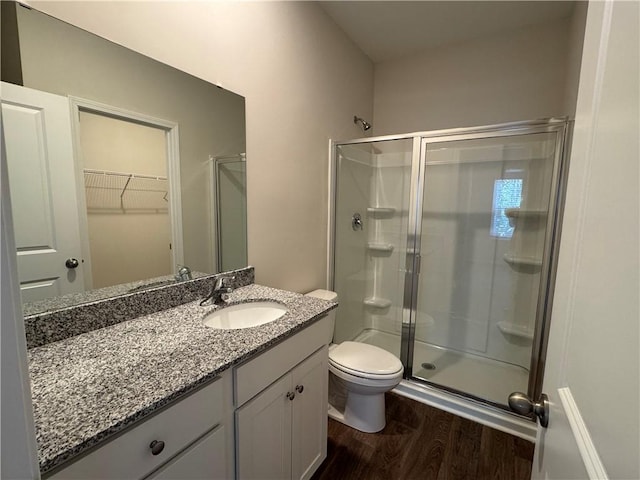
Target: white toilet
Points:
(359, 376)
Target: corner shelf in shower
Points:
(380, 247)
(522, 261)
(376, 302)
(524, 213)
(381, 211)
(515, 330)
(514, 214)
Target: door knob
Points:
(356, 222)
(291, 395)
(522, 404)
(299, 388)
(71, 263)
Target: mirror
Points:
(202, 126)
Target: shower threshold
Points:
(478, 376)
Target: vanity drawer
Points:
(207, 458)
(258, 373)
(130, 456)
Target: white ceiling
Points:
(391, 29)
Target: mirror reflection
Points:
(122, 170)
(126, 191)
(230, 180)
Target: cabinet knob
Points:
(299, 388)
(291, 395)
(156, 447)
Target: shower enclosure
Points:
(443, 252)
(229, 184)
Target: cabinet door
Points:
(309, 429)
(207, 458)
(263, 428)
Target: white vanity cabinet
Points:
(193, 439)
(282, 432)
(279, 399)
(281, 420)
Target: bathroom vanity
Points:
(164, 396)
(190, 439)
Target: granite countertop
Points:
(91, 386)
(71, 299)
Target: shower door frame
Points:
(562, 126)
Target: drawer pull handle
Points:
(299, 388)
(156, 447)
(291, 395)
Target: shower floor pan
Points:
(478, 376)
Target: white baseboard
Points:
(587, 449)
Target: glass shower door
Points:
(231, 212)
(482, 235)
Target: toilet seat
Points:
(365, 361)
(384, 383)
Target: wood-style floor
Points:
(422, 442)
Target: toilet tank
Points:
(331, 296)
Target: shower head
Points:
(365, 125)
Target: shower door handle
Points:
(521, 403)
(413, 263)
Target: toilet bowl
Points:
(359, 376)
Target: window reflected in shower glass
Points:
(507, 193)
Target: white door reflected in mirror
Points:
(37, 130)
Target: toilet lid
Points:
(365, 359)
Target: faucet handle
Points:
(219, 291)
(184, 273)
(220, 282)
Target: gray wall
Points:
(522, 74)
(10, 46)
(303, 80)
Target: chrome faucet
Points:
(220, 291)
(184, 274)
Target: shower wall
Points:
(353, 195)
(387, 217)
(373, 180)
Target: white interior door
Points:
(37, 131)
(592, 375)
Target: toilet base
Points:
(365, 413)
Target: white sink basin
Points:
(245, 315)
